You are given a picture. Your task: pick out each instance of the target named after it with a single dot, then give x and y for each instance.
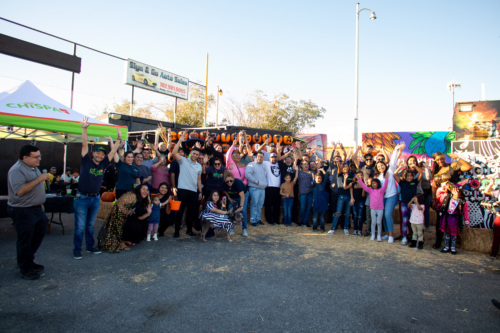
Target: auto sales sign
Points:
(154, 79)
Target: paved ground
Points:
(277, 280)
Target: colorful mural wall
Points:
(420, 144)
(478, 120)
(484, 156)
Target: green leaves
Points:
(279, 113)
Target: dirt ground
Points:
(276, 280)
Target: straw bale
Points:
(478, 240)
(104, 210)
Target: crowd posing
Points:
(220, 190)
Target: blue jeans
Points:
(244, 211)
(256, 203)
(287, 210)
(358, 215)
(389, 205)
(305, 207)
(342, 208)
(321, 216)
(86, 209)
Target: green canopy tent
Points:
(27, 113)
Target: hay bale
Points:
(105, 210)
(478, 240)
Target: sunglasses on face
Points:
(216, 163)
(369, 159)
(229, 181)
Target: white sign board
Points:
(154, 79)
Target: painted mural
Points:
(420, 144)
(484, 156)
(478, 120)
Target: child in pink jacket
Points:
(376, 204)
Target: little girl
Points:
(408, 187)
(455, 210)
(320, 200)
(154, 218)
(417, 205)
(376, 204)
(367, 209)
(286, 191)
(213, 216)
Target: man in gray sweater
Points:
(257, 182)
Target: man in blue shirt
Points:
(87, 200)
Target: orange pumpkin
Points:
(265, 137)
(287, 140)
(173, 135)
(225, 147)
(203, 135)
(180, 134)
(108, 196)
(248, 138)
(277, 138)
(225, 137)
(194, 135)
(256, 138)
(255, 147)
(216, 137)
(234, 136)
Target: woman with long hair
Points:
(111, 236)
(128, 176)
(445, 172)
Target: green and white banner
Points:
(29, 108)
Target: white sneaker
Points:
(155, 237)
(331, 232)
(148, 238)
(245, 233)
(346, 231)
(391, 240)
(379, 239)
(404, 241)
(372, 238)
(355, 233)
(385, 237)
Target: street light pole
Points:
(219, 92)
(356, 74)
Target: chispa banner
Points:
(155, 79)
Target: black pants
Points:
(189, 200)
(332, 208)
(272, 204)
(30, 224)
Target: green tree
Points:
(189, 112)
(278, 113)
(146, 111)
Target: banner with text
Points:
(154, 79)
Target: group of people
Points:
(215, 187)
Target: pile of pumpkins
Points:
(225, 139)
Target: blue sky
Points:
(303, 49)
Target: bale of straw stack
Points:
(478, 240)
(105, 210)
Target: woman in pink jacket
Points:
(376, 204)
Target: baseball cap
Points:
(274, 155)
(99, 148)
(272, 145)
(53, 168)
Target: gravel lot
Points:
(276, 280)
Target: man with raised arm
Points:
(87, 200)
(189, 186)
